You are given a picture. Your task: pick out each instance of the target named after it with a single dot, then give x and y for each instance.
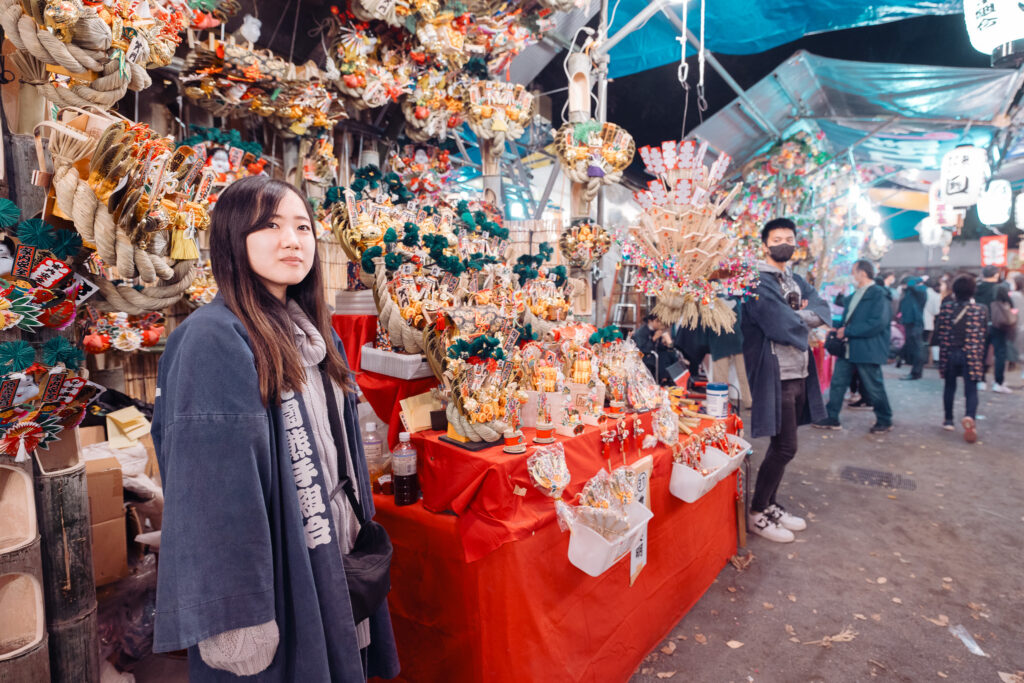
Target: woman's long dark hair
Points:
(244, 207)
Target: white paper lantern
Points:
(990, 23)
(940, 209)
(963, 176)
(1018, 211)
(930, 232)
(995, 203)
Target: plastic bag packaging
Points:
(665, 423)
(126, 613)
(548, 470)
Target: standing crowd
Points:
(965, 326)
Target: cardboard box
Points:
(109, 551)
(106, 493)
(92, 435)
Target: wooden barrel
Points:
(62, 506)
(23, 638)
(75, 650)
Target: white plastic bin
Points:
(592, 554)
(744, 447)
(687, 484)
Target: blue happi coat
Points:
(237, 549)
(768, 318)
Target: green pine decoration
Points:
(36, 232)
(9, 213)
(60, 350)
(15, 356)
(66, 244)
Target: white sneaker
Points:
(764, 524)
(788, 521)
(982, 386)
(1001, 389)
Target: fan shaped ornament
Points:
(685, 254)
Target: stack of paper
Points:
(126, 426)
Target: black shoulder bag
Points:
(368, 566)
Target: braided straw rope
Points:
(38, 47)
(75, 198)
(402, 333)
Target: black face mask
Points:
(781, 253)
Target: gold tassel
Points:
(183, 246)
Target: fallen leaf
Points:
(860, 616)
(790, 556)
(882, 579)
(714, 613)
(768, 605)
(665, 674)
(701, 638)
(648, 670)
(790, 630)
(681, 638)
(943, 620)
(941, 675)
(1011, 678)
(844, 636)
(731, 589)
(897, 601)
(670, 648)
(946, 579)
(791, 597)
(741, 562)
(794, 640)
(876, 617)
(877, 663)
(734, 644)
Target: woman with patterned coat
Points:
(960, 328)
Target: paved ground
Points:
(893, 570)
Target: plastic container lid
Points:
(403, 436)
(371, 426)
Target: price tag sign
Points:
(644, 468)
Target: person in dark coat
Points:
(654, 340)
(726, 349)
(960, 328)
(989, 289)
(265, 479)
(865, 327)
(915, 295)
(783, 378)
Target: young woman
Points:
(252, 578)
(960, 327)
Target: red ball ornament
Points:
(151, 336)
(96, 343)
(422, 112)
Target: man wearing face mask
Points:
(776, 324)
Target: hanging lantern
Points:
(995, 203)
(963, 175)
(992, 23)
(941, 210)
(930, 232)
(1018, 211)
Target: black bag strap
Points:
(334, 416)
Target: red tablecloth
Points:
(481, 487)
(355, 330)
(523, 613)
(383, 393)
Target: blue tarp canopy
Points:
(741, 27)
(898, 115)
